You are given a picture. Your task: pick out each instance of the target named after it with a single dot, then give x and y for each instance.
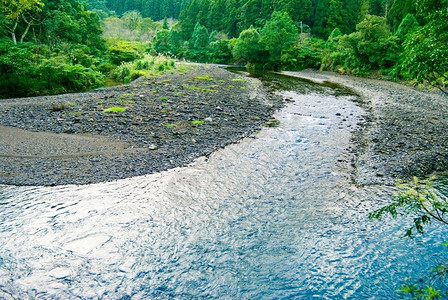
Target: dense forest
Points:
(50, 46)
(154, 9)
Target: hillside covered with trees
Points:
(49, 46)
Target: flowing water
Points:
(272, 217)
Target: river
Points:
(275, 216)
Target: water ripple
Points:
(269, 218)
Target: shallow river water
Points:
(272, 217)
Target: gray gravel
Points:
(68, 139)
(169, 121)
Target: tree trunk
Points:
(28, 25)
(13, 31)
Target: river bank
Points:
(168, 122)
(172, 120)
(405, 133)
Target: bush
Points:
(27, 70)
(122, 51)
(147, 66)
(57, 75)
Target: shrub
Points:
(122, 51)
(147, 66)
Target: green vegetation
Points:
(114, 109)
(49, 46)
(208, 89)
(272, 123)
(147, 66)
(426, 201)
(396, 39)
(205, 78)
(197, 122)
(427, 198)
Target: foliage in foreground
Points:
(426, 200)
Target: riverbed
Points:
(275, 216)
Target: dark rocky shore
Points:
(169, 121)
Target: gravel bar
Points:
(168, 122)
(405, 133)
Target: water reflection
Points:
(272, 217)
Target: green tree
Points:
(425, 55)
(364, 10)
(198, 44)
(342, 53)
(13, 9)
(399, 9)
(320, 18)
(306, 54)
(377, 47)
(69, 22)
(14, 12)
(299, 10)
(97, 4)
(199, 37)
(248, 47)
(407, 26)
(165, 24)
(132, 19)
(278, 35)
(175, 42)
(161, 41)
(336, 17)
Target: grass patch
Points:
(170, 125)
(204, 78)
(126, 96)
(114, 109)
(198, 88)
(239, 80)
(182, 69)
(163, 98)
(197, 122)
(128, 102)
(190, 87)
